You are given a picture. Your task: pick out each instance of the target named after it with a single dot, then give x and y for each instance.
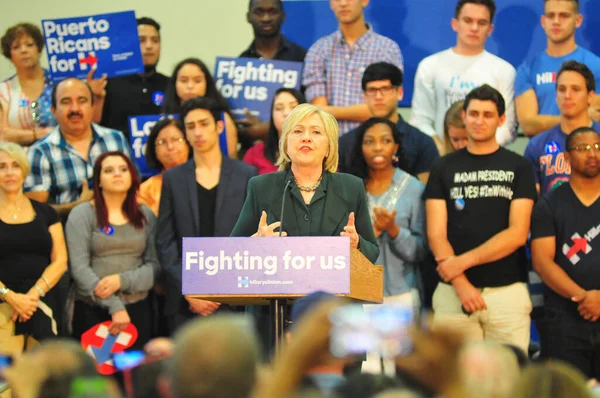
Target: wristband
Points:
(40, 290)
(45, 281)
(34, 135)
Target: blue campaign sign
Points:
(251, 83)
(107, 42)
(139, 128)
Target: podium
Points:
(229, 271)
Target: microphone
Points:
(289, 181)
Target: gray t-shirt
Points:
(121, 249)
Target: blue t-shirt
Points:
(539, 73)
(546, 152)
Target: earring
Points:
(395, 160)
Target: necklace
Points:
(17, 210)
(311, 188)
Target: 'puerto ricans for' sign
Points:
(107, 42)
(246, 266)
(251, 83)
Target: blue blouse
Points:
(401, 256)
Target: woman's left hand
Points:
(350, 230)
(107, 286)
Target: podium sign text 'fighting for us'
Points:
(289, 265)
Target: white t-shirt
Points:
(446, 77)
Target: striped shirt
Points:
(333, 70)
(57, 168)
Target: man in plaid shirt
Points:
(334, 65)
(62, 163)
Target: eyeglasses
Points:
(386, 90)
(173, 141)
(585, 147)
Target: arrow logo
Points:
(84, 60)
(579, 245)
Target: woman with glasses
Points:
(166, 148)
(26, 96)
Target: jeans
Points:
(568, 337)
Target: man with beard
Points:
(564, 232)
(478, 205)
(141, 94)
(537, 110)
(62, 163)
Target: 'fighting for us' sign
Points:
(108, 43)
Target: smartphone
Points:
(128, 359)
(5, 361)
(381, 329)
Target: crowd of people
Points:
(485, 238)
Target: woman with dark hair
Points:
(191, 78)
(263, 156)
(111, 252)
(166, 148)
(397, 211)
(26, 96)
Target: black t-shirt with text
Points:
(576, 229)
(478, 190)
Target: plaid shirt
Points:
(57, 168)
(333, 70)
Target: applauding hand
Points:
(385, 221)
(265, 229)
(350, 230)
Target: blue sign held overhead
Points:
(108, 43)
(251, 83)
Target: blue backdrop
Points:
(422, 27)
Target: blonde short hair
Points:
(299, 113)
(16, 152)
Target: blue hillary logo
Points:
(243, 281)
(552, 148)
(158, 97)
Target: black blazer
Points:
(345, 194)
(179, 217)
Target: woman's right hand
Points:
(23, 306)
(265, 229)
(120, 320)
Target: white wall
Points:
(199, 28)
